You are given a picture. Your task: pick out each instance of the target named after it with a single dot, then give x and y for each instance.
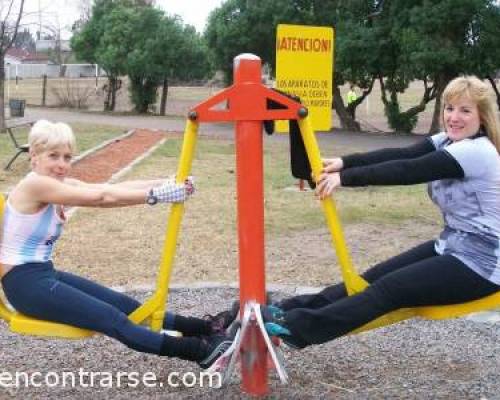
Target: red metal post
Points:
(249, 166)
(247, 107)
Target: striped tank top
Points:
(28, 238)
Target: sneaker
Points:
(274, 329)
(275, 324)
(273, 314)
(225, 322)
(220, 322)
(216, 347)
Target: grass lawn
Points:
(87, 136)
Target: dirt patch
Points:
(101, 165)
(292, 259)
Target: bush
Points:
(72, 95)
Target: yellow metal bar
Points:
(5, 313)
(156, 306)
(353, 282)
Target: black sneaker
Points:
(221, 321)
(216, 346)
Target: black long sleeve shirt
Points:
(400, 166)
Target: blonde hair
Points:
(46, 135)
(482, 94)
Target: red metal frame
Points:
(246, 104)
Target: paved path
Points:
(355, 139)
(127, 121)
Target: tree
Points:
(101, 41)
(143, 24)
(393, 42)
(24, 40)
(11, 13)
(485, 52)
(466, 42)
(359, 54)
(157, 48)
(163, 49)
(240, 26)
(56, 54)
(184, 44)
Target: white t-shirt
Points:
(471, 205)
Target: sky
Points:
(65, 12)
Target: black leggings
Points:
(418, 277)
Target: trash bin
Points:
(17, 107)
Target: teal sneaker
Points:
(273, 329)
(275, 324)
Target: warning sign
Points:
(304, 67)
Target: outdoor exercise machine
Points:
(245, 104)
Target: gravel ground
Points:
(454, 359)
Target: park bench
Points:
(10, 127)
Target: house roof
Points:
(33, 58)
(25, 56)
(20, 54)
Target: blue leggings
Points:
(40, 291)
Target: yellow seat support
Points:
(353, 281)
(29, 326)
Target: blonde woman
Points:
(462, 168)
(33, 221)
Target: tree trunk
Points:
(62, 70)
(495, 89)
(429, 94)
(107, 89)
(114, 89)
(440, 83)
(436, 116)
(351, 108)
(2, 88)
(345, 118)
(164, 94)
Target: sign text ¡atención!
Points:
(304, 44)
